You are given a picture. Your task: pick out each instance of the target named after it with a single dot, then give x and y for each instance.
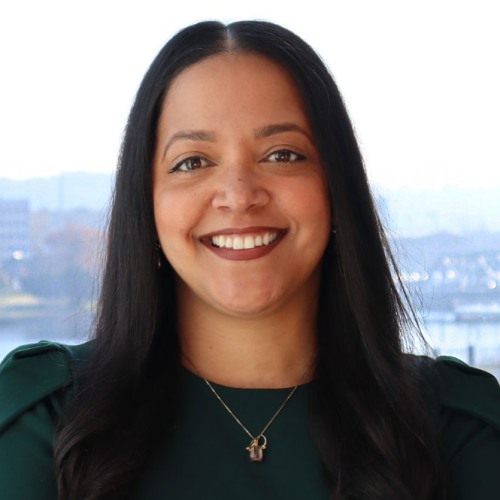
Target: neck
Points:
(270, 351)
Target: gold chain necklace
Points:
(259, 442)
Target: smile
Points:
(244, 242)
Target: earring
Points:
(158, 255)
(334, 231)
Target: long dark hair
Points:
(372, 433)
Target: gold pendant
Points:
(256, 450)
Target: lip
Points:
(243, 254)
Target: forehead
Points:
(246, 84)
(232, 65)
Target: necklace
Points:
(258, 443)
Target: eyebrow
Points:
(192, 135)
(206, 135)
(277, 128)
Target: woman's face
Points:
(240, 200)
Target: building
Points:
(14, 230)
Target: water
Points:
(64, 326)
(475, 343)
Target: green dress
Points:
(205, 456)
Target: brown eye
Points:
(190, 164)
(285, 156)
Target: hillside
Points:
(405, 211)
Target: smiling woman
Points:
(240, 198)
(249, 339)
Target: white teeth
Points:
(244, 243)
(238, 243)
(249, 242)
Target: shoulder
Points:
(465, 389)
(34, 372)
(34, 382)
(467, 413)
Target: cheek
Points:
(172, 209)
(177, 214)
(315, 207)
(168, 219)
(310, 203)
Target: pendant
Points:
(256, 450)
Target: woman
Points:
(248, 342)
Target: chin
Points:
(248, 307)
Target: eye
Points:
(190, 164)
(285, 156)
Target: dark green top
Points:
(206, 452)
(205, 456)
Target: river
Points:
(477, 343)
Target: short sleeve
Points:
(469, 420)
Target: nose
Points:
(240, 189)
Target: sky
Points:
(421, 79)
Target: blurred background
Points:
(420, 80)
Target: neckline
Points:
(190, 375)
